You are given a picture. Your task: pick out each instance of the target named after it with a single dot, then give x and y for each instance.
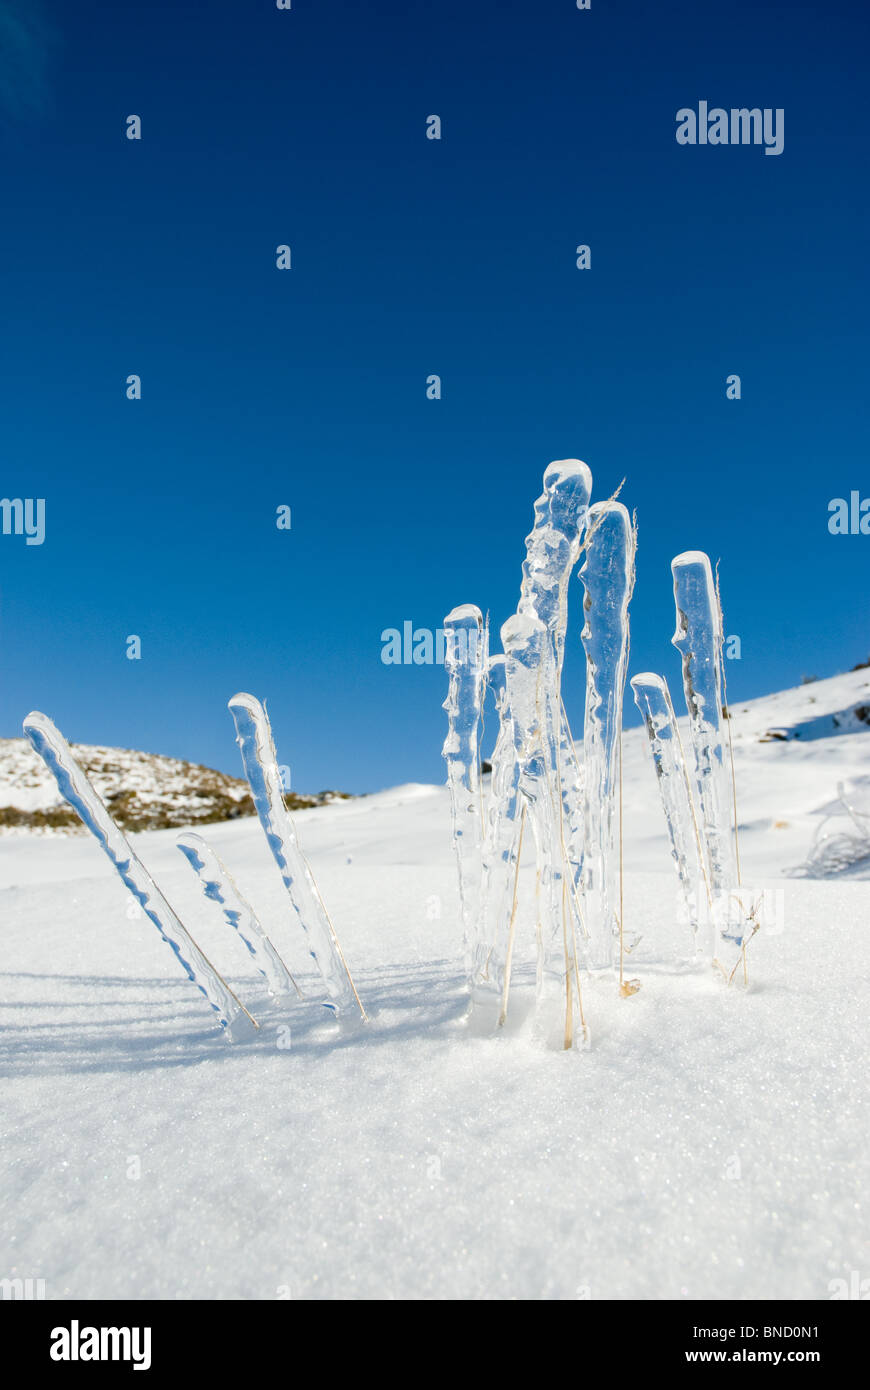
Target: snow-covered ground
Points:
(711, 1143)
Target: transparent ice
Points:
(465, 661)
(608, 579)
(653, 699)
(264, 778)
(74, 785)
(535, 779)
(552, 551)
(572, 789)
(500, 849)
(219, 885)
(553, 546)
(525, 639)
(698, 638)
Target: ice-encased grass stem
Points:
(608, 580)
(552, 550)
(465, 661)
(254, 737)
(653, 699)
(220, 887)
(698, 638)
(76, 788)
(502, 841)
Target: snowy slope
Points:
(144, 791)
(711, 1143)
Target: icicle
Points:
(527, 781)
(500, 853)
(218, 885)
(653, 699)
(525, 639)
(552, 550)
(608, 579)
(261, 769)
(74, 785)
(553, 545)
(465, 662)
(698, 638)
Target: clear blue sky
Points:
(411, 257)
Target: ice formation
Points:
(525, 640)
(608, 579)
(541, 795)
(552, 550)
(500, 854)
(465, 660)
(55, 752)
(535, 784)
(547, 780)
(254, 736)
(653, 699)
(218, 885)
(540, 799)
(698, 638)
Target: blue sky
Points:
(411, 257)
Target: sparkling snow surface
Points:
(711, 1143)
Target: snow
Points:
(711, 1143)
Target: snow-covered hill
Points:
(144, 791)
(710, 1143)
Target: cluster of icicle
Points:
(541, 794)
(564, 808)
(254, 736)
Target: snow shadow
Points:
(106, 1023)
(854, 720)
